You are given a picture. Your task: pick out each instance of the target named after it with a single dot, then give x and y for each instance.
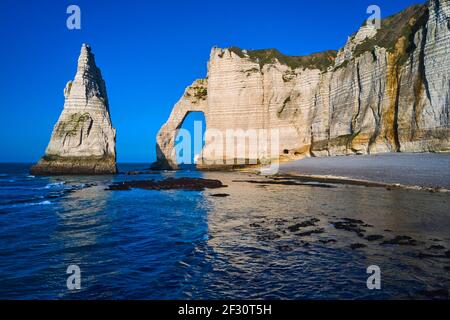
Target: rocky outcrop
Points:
(83, 140)
(386, 90)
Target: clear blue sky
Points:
(148, 51)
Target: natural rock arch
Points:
(193, 100)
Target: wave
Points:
(55, 185)
(31, 204)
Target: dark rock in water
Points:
(355, 221)
(447, 254)
(268, 237)
(308, 233)
(304, 224)
(436, 247)
(284, 248)
(220, 195)
(355, 246)
(189, 184)
(255, 225)
(374, 237)
(119, 186)
(326, 241)
(447, 268)
(350, 225)
(401, 240)
(133, 173)
(439, 293)
(305, 244)
(280, 222)
(422, 255)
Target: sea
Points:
(256, 240)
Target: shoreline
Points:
(410, 170)
(357, 182)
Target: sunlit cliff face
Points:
(386, 91)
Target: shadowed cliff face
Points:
(83, 140)
(386, 90)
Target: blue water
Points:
(143, 244)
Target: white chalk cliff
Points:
(83, 140)
(386, 90)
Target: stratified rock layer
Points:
(386, 90)
(83, 140)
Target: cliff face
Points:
(83, 140)
(387, 90)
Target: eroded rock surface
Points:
(83, 140)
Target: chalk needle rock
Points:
(83, 140)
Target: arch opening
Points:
(189, 140)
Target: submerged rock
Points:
(351, 225)
(284, 248)
(422, 255)
(83, 140)
(401, 240)
(355, 246)
(220, 195)
(310, 232)
(374, 237)
(268, 237)
(304, 224)
(326, 241)
(436, 247)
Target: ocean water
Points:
(148, 244)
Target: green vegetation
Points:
(321, 60)
(74, 124)
(201, 93)
(403, 24)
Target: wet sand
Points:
(430, 170)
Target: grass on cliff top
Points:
(320, 60)
(405, 23)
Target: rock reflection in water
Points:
(251, 233)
